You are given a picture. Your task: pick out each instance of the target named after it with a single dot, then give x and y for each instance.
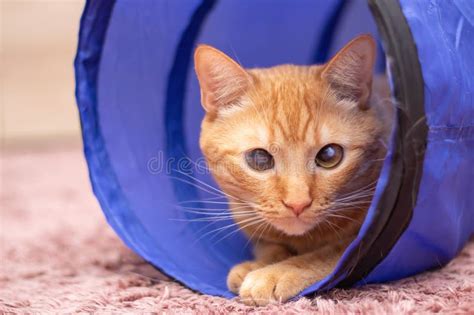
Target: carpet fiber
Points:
(58, 255)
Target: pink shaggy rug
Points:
(58, 255)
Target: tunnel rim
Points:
(393, 26)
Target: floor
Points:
(58, 255)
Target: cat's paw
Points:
(273, 283)
(238, 273)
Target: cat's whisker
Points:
(240, 228)
(209, 186)
(366, 197)
(204, 200)
(216, 202)
(362, 198)
(367, 187)
(251, 236)
(356, 196)
(371, 184)
(347, 209)
(240, 208)
(376, 160)
(333, 215)
(309, 236)
(414, 126)
(383, 143)
(257, 207)
(195, 185)
(360, 203)
(220, 192)
(215, 213)
(210, 224)
(215, 218)
(220, 229)
(332, 226)
(211, 192)
(351, 203)
(232, 206)
(212, 209)
(203, 220)
(267, 226)
(207, 213)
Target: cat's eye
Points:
(329, 156)
(259, 159)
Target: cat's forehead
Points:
(263, 128)
(289, 107)
(287, 89)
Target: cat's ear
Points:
(222, 80)
(350, 71)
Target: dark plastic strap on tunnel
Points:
(395, 208)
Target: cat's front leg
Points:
(281, 281)
(265, 254)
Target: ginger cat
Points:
(299, 150)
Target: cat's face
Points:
(294, 143)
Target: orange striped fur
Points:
(292, 112)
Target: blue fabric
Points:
(138, 99)
(321, 51)
(443, 218)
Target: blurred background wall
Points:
(38, 39)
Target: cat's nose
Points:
(297, 207)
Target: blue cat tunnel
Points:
(140, 111)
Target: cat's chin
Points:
(292, 226)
